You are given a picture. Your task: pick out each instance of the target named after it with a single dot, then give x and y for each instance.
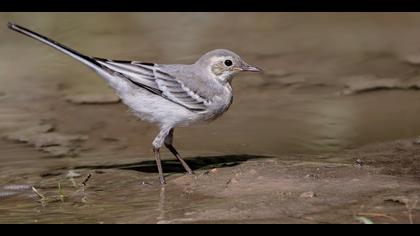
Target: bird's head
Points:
(224, 64)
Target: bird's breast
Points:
(219, 104)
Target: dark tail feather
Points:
(76, 55)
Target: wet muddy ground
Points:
(328, 134)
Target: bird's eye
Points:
(228, 63)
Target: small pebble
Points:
(308, 195)
(72, 174)
(310, 176)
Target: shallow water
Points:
(293, 108)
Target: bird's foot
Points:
(162, 180)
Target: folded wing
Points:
(152, 78)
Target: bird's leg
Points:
(168, 144)
(157, 143)
(159, 165)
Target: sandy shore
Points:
(376, 183)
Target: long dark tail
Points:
(89, 61)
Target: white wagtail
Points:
(167, 95)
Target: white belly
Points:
(158, 110)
